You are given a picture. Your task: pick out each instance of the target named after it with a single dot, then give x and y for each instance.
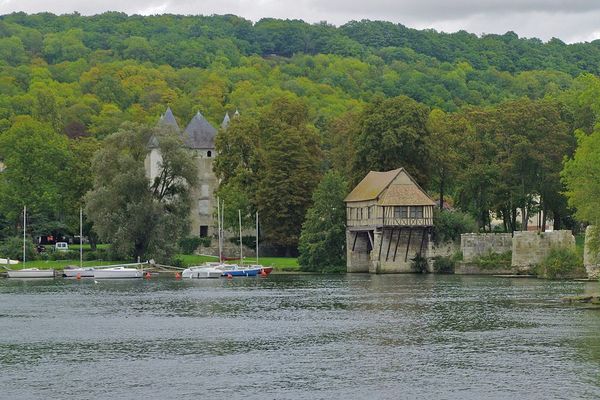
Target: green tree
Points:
(393, 134)
(581, 176)
(290, 160)
(37, 161)
(138, 217)
(323, 239)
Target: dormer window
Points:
(209, 154)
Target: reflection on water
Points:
(298, 337)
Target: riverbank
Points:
(279, 264)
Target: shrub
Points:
(189, 244)
(13, 248)
(419, 264)
(561, 263)
(495, 260)
(444, 265)
(449, 225)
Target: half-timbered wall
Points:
(368, 214)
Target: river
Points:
(298, 337)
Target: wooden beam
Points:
(380, 244)
(397, 243)
(408, 244)
(389, 244)
(370, 239)
(354, 244)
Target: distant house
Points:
(389, 219)
(198, 136)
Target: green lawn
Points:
(278, 263)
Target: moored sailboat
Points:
(28, 272)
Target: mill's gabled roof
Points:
(390, 191)
(199, 134)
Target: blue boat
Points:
(236, 270)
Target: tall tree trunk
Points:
(524, 218)
(544, 216)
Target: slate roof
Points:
(168, 119)
(380, 186)
(226, 121)
(199, 134)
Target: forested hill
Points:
(173, 40)
(111, 67)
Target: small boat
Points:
(8, 261)
(118, 273)
(30, 273)
(74, 272)
(236, 270)
(201, 272)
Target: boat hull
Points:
(117, 273)
(31, 273)
(78, 272)
(201, 273)
(240, 271)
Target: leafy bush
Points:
(64, 255)
(561, 263)
(13, 248)
(98, 254)
(444, 265)
(419, 264)
(492, 261)
(189, 244)
(449, 225)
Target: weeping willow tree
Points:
(137, 216)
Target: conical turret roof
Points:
(226, 121)
(199, 134)
(168, 120)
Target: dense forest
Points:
(483, 122)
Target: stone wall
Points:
(475, 245)
(590, 260)
(397, 250)
(359, 259)
(530, 248)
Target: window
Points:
(209, 154)
(204, 190)
(203, 206)
(401, 212)
(416, 212)
(203, 231)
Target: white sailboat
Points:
(208, 270)
(28, 272)
(118, 272)
(88, 272)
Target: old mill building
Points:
(198, 136)
(388, 219)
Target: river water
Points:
(298, 337)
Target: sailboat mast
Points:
(219, 226)
(24, 228)
(240, 220)
(257, 238)
(80, 237)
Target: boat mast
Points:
(24, 226)
(240, 220)
(80, 237)
(219, 226)
(257, 238)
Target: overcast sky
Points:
(569, 20)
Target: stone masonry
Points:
(530, 248)
(590, 260)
